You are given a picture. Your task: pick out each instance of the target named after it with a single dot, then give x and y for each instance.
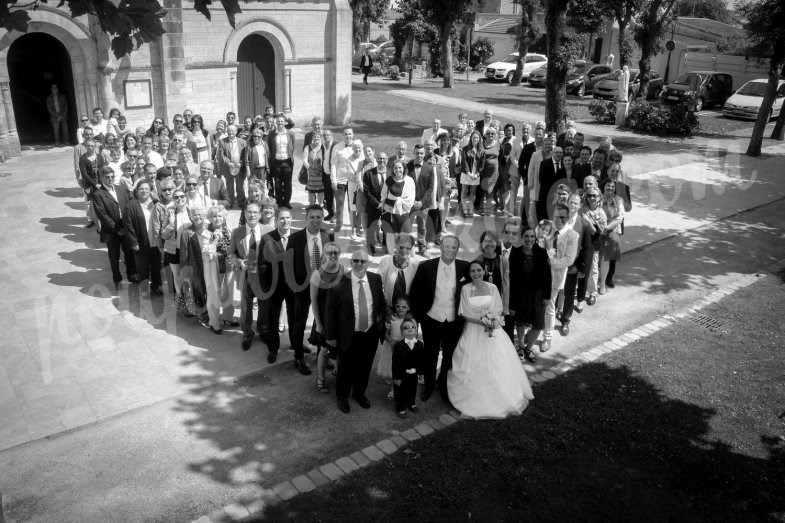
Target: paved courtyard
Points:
(107, 365)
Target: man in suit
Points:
(435, 296)
(373, 181)
(280, 142)
(424, 186)
(307, 246)
(110, 205)
(594, 168)
(550, 171)
(138, 224)
(230, 154)
(400, 156)
(275, 259)
(438, 166)
(524, 160)
(576, 273)
(483, 124)
(533, 176)
(355, 325)
(211, 189)
(511, 260)
(562, 253)
(244, 246)
(57, 107)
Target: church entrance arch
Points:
(35, 62)
(255, 76)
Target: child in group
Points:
(406, 363)
(544, 234)
(116, 163)
(384, 368)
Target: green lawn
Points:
(680, 426)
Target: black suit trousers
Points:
(439, 335)
(247, 297)
(114, 245)
(297, 321)
(354, 365)
(406, 392)
(571, 284)
(329, 201)
(281, 173)
(270, 312)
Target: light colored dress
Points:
(487, 379)
(384, 367)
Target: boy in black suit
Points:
(406, 364)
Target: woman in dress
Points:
(490, 172)
(216, 137)
(487, 379)
(531, 286)
(592, 211)
(221, 283)
(200, 139)
(472, 165)
(330, 272)
(448, 150)
(177, 221)
(313, 161)
(398, 198)
(610, 251)
(397, 270)
(198, 263)
(155, 128)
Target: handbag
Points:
(303, 176)
(184, 302)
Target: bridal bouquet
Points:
(491, 323)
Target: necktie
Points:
(252, 246)
(506, 280)
(284, 241)
(362, 305)
(316, 257)
(555, 238)
(206, 194)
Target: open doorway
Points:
(35, 62)
(255, 76)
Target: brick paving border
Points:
(334, 470)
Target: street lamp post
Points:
(670, 47)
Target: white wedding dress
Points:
(487, 379)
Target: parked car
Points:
(504, 69)
(710, 87)
(580, 78)
(746, 102)
(606, 88)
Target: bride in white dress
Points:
(487, 379)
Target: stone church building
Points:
(293, 55)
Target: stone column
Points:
(12, 137)
(173, 59)
(338, 68)
(287, 90)
(105, 78)
(233, 90)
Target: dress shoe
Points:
(546, 345)
(558, 315)
(307, 350)
(565, 328)
(601, 291)
(363, 402)
(414, 408)
(343, 405)
(272, 356)
(610, 284)
(89, 224)
(246, 345)
(591, 300)
(528, 355)
(402, 414)
(231, 323)
(302, 367)
(579, 307)
(426, 394)
(216, 331)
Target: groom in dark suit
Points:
(355, 325)
(424, 185)
(435, 296)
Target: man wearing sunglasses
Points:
(355, 325)
(110, 206)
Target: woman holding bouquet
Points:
(487, 379)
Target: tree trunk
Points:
(778, 133)
(446, 43)
(645, 67)
(624, 54)
(524, 39)
(775, 65)
(556, 86)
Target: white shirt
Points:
(443, 308)
(204, 194)
(261, 154)
(356, 282)
(428, 134)
(311, 238)
(99, 128)
(147, 210)
(534, 175)
(340, 167)
(282, 146)
(155, 159)
(258, 232)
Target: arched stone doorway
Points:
(255, 75)
(36, 61)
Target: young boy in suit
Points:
(406, 364)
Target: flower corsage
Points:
(491, 323)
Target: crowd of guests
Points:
(160, 197)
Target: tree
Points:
(526, 33)
(586, 17)
(766, 27)
(410, 27)
(623, 11)
(130, 23)
(711, 9)
(562, 50)
(649, 30)
(444, 14)
(364, 13)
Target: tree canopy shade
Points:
(130, 23)
(623, 11)
(766, 27)
(365, 12)
(652, 21)
(526, 33)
